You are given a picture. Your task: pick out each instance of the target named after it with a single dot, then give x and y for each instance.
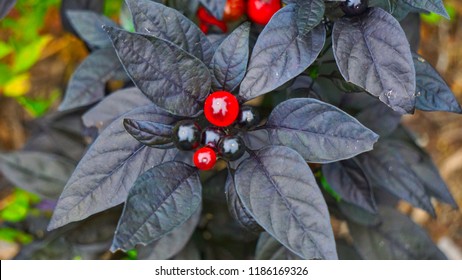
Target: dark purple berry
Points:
(248, 116)
(354, 7)
(231, 147)
(211, 135)
(186, 135)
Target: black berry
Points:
(248, 116)
(186, 135)
(354, 7)
(211, 135)
(231, 147)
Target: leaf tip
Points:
(115, 247)
(108, 29)
(54, 224)
(128, 123)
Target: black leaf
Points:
(348, 180)
(433, 94)
(166, 23)
(230, 59)
(387, 168)
(172, 243)
(309, 14)
(397, 237)
(423, 166)
(40, 173)
(436, 6)
(167, 75)
(238, 211)
(326, 133)
(89, 79)
(149, 133)
(6, 6)
(286, 202)
(89, 26)
(113, 106)
(159, 201)
(281, 53)
(372, 52)
(107, 171)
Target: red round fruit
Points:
(205, 158)
(234, 9)
(261, 11)
(221, 108)
(206, 20)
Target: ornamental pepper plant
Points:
(247, 141)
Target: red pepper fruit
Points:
(206, 19)
(234, 9)
(221, 108)
(261, 11)
(205, 158)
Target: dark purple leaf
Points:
(89, 26)
(397, 237)
(230, 60)
(435, 6)
(155, 19)
(281, 53)
(40, 173)
(348, 180)
(386, 168)
(89, 79)
(433, 94)
(167, 75)
(149, 133)
(5, 7)
(172, 243)
(113, 106)
(372, 52)
(107, 171)
(318, 131)
(286, 202)
(159, 201)
(237, 210)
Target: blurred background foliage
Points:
(38, 54)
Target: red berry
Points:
(261, 11)
(221, 108)
(234, 9)
(205, 18)
(205, 158)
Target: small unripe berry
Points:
(354, 7)
(211, 135)
(186, 135)
(248, 116)
(231, 147)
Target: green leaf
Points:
(30, 54)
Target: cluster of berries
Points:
(258, 11)
(221, 109)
